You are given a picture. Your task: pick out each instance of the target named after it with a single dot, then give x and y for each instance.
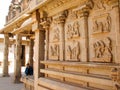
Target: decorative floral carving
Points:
(102, 26)
(54, 50)
(56, 36)
(103, 50)
(73, 51)
(73, 30)
(115, 75)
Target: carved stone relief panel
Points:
(54, 39)
(72, 36)
(54, 51)
(73, 51)
(101, 24)
(56, 36)
(73, 30)
(102, 50)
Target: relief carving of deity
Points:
(102, 26)
(103, 50)
(56, 36)
(74, 51)
(73, 30)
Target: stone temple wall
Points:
(83, 47)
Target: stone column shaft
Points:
(17, 63)
(39, 55)
(62, 41)
(31, 45)
(6, 51)
(84, 17)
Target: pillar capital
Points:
(83, 11)
(60, 18)
(46, 23)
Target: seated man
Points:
(28, 70)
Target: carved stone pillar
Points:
(46, 25)
(39, 54)
(6, 51)
(17, 62)
(31, 45)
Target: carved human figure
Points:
(56, 34)
(102, 47)
(74, 51)
(69, 51)
(100, 26)
(107, 24)
(107, 53)
(95, 26)
(76, 31)
(69, 31)
(97, 50)
(103, 50)
(54, 50)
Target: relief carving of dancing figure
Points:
(103, 50)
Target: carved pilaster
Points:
(60, 20)
(46, 26)
(83, 13)
(6, 51)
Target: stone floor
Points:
(6, 83)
